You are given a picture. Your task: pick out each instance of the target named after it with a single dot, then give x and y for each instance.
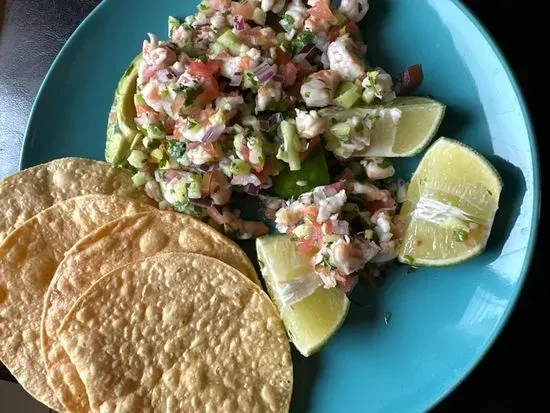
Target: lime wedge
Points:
(451, 204)
(313, 320)
(419, 121)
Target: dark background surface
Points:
(513, 377)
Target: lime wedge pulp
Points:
(312, 321)
(451, 204)
(418, 121)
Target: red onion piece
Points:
(303, 53)
(212, 133)
(238, 23)
(278, 78)
(252, 189)
(265, 125)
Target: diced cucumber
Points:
(230, 41)
(347, 94)
(341, 130)
(140, 178)
(368, 96)
(157, 154)
(137, 158)
(289, 151)
(259, 16)
(239, 167)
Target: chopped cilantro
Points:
(180, 206)
(191, 94)
(359, 127)
(300, 41)
(176, 149)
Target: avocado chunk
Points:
(121, 134)
(314, 172)
(126, 110)
(117, 147)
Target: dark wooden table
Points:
(513, 376)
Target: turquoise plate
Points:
(443, 320)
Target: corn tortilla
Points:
(32, 190)
(29, 257)
(179, 332)
(126, 240)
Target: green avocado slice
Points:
(121, 135)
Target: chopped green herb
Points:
(191, 94)
(300, 41)
(176, 149)
(359, 127)
(203, 58)
(180, 206)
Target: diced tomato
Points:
(317, 236)
(271, 167)
(282, 57)
(351, 27)
(210, 92)
(337, 186)
(374, 206)
(258, 36)
(346, 282)
(333, 33)
(246, 152)
(169, 126)
(245, 62)
(305, 247)
(311, 212)
(346, 175)
(289, 71)
(220, 4)
(212, 150)
(409, 80)
(254, 229)
(321, 10)
(328, 227)
(141, 109)
(243, 9)
(208, 69)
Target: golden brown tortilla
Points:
(179, 332)
(32, 190)
(29, 257)
(126, 240)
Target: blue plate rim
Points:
(533, 148)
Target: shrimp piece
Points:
(318, 89)
(343, 59)
(354, 9)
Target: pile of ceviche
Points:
(273, 101)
